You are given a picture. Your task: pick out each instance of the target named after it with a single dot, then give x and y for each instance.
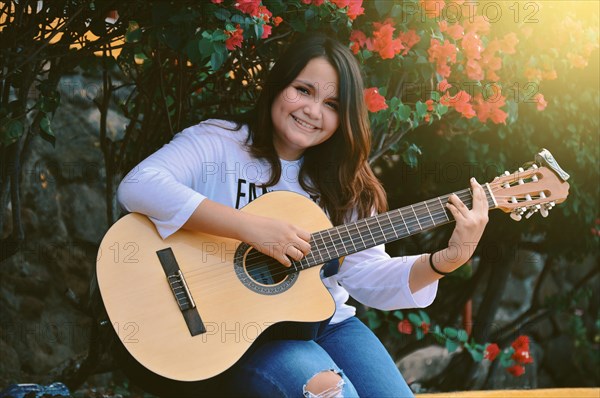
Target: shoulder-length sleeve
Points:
(377, 280)
(164, 185)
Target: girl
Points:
(309, 133)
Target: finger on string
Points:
(303, 246)
(458, 216)
(295, 253)
(304, 235)
(479, 201)
(458, 204)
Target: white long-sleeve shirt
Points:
(211, 160)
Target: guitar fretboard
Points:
(383, 228)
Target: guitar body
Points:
(234, 306)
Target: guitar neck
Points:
(383, 228)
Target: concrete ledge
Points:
(537, 393)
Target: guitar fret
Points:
(333, 244)
(443, 208)
(392, 225)
(350, 235)
(413, 209)
(380, 227)
(366, 222)
(430, 216)
(404, 222)
(319, 244)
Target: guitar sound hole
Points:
(263, 269)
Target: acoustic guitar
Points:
(189, 306)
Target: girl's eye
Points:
(302, 90)
(333, 105)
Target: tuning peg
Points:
(532, 210)
(515, 216)
(544, 211)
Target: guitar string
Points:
(190, 276)
(384, 234)
(367, 223)
(466, 192)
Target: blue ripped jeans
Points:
(283, 368)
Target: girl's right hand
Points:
(275, 238)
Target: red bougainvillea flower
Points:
(541, 101)
(432, 8)
(216, 1)
(516, 370)
(340, 3)
(474, 70)
(235, 38)
(455, 31)
(358, 40)
(460, 103)
(577, 61)
(408, 40)
(277, 21)
(441, 54)
(383, 41)
(315, 2)
(443, 86)
(522, 357)
(375, 101)
(405, 327)
(489, 108)
(266, 31)
(264, 13)
(429, 103)
(521, 343)
(424, 325)
(472, 46)
(355, 9)
(491, 351)
(250, 7)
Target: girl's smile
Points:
(305, 113)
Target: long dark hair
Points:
(337, 170)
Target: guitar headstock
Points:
(538, 188)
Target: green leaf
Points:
(383, 7)
(46, 128)
(373, 320)
(218, 57)
(134, 33)
(451, 345)
(222, 14)
(398, 315)
(419, 333)
(476, 355)
(10, 131)
(410, 157)
(425, 317)
(462, 336)
(435, 96)
(404, 112)
(450, 332)
(238, 19)
(421, 109)
(414, 319)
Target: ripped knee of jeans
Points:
(325, 384)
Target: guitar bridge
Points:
(181, 291)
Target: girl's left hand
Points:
(469, 225)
